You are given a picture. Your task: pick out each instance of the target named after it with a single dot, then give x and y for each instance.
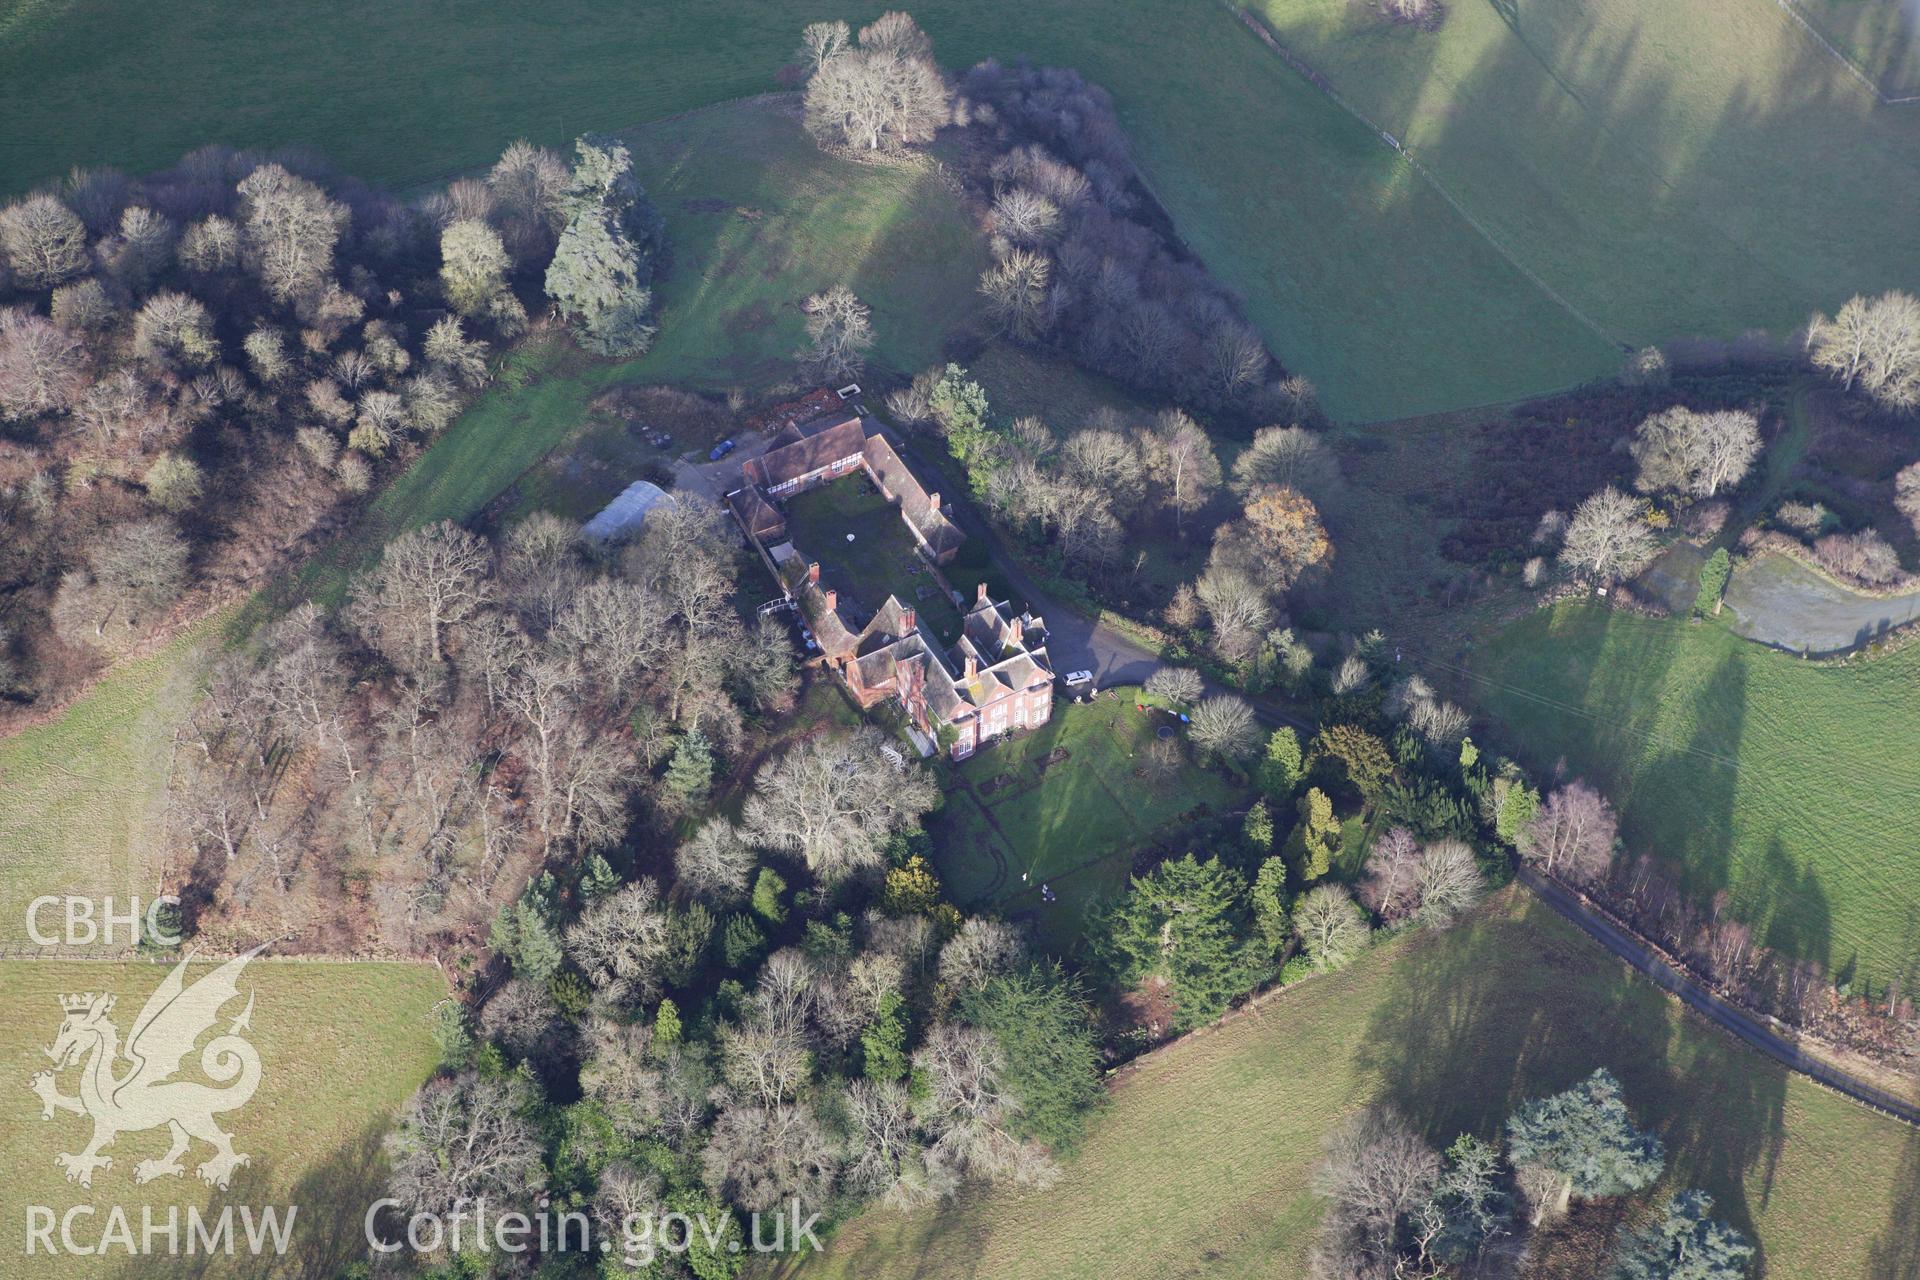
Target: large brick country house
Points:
(995, 678)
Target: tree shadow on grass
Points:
(1518, 1003)
(1896, 1254)
(331, 1201)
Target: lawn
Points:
(867, 553)
(341, 1047)
(1786, 783)
(1202, 1161)
(1074, 822)
(85, 794)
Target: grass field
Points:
(1671, 169)
(1200, 1165)
(341, 1048)
(1074, 824)
(1360, 276)
(85, 794)
(1882, 37)
(1788, 784)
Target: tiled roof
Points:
(814, 446)
(755, 513)
(916, 504)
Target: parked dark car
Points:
(720, 451)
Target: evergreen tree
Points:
(666, 1024)
(690, 769)
(1280, 770)
(597, 878)
(453, 1034)
(1039, 1018)
(1272, 912)
(769, 888)
(1315, 837)
(883, 1045)
(1586, 1136)
(1257, 831)
(525, 933)
(1515, 804)
(741, 942)
(1187, 922)
(604, 262)
(1713, 581)
(1685, 1244)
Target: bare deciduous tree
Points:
(1608, 537)
(42, 366)
(764, 1156)
(822, 42)
(716, 862)
(1447, 881)
(1377, 1171)
(1390, 886)
(1182, 464)
(291, 229)
(618, 943)
(1330, 927)
(1573, 834)
(839, 333)
(427, 580)
(884, 93)
(1018, 293)
(1681, 451)
(44, 242)
(1873, 343)
(967, 1109)
(1181, 686)
(1223, 725)
(463, 1140)
(982, 950)
(835, 800)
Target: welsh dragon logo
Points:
(131, 1088)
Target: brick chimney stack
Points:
(973, 668)
(833, 601)
(980, 597)
(1017, 631)
(813, 572)
(933, 501)
(908, 620)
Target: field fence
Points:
(1854, 69)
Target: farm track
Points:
(1743, 1026)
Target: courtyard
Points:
(881, 558)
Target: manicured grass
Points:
(1788, 784)
(1671, 169)
(880, 560)
(85, 794)
(1075, 824)
(341, 1047)
(1360, 276)
(1204, 1156)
